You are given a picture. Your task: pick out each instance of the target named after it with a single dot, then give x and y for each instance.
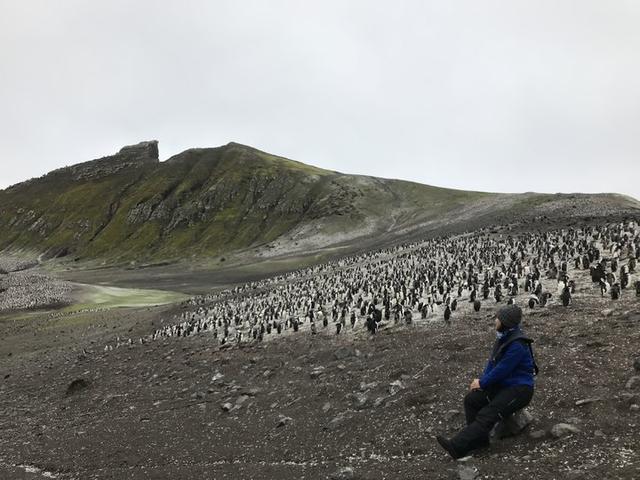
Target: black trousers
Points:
(483, 409)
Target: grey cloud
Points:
(493, 96)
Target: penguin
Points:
(498, 295)
(624, 278)
(604, 287)
(371, 325)
(476, 305)
(545, 298)
(408, 317)
(447, 314)
(454, 304)
(615, 291)
(565, 296)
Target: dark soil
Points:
(155, 411)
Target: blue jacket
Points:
(513, 367)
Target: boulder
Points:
(77, 386)
(560, 430)
(513, 425)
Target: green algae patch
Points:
(107, 297)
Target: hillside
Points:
(320, 406)
(207, 203)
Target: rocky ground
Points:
(313, 407)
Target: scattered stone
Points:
(633, 383)
(629, 397)
(284, 420)
(326, 407)
(634, 408)
(336, 421)
(227, 407)
(345, 473)
(361, 400)
(343, 353)
(251, 392)
(77, 386)
(607, 313)
(395, 387)
(586, 401)
(367, 386)
(379, 401)
(467, 472)
(538, 434)
(316, 372)
(451, 414)
(560, 430)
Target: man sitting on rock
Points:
(505, 387)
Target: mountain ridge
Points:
(204, 204)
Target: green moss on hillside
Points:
(206, 202)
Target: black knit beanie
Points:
(510, 316)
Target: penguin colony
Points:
(424, 280)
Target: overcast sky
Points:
(482, 95)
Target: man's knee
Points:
(475, 399)
(512, 400)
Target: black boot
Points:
(446, 444)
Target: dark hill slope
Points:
(206, 202)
